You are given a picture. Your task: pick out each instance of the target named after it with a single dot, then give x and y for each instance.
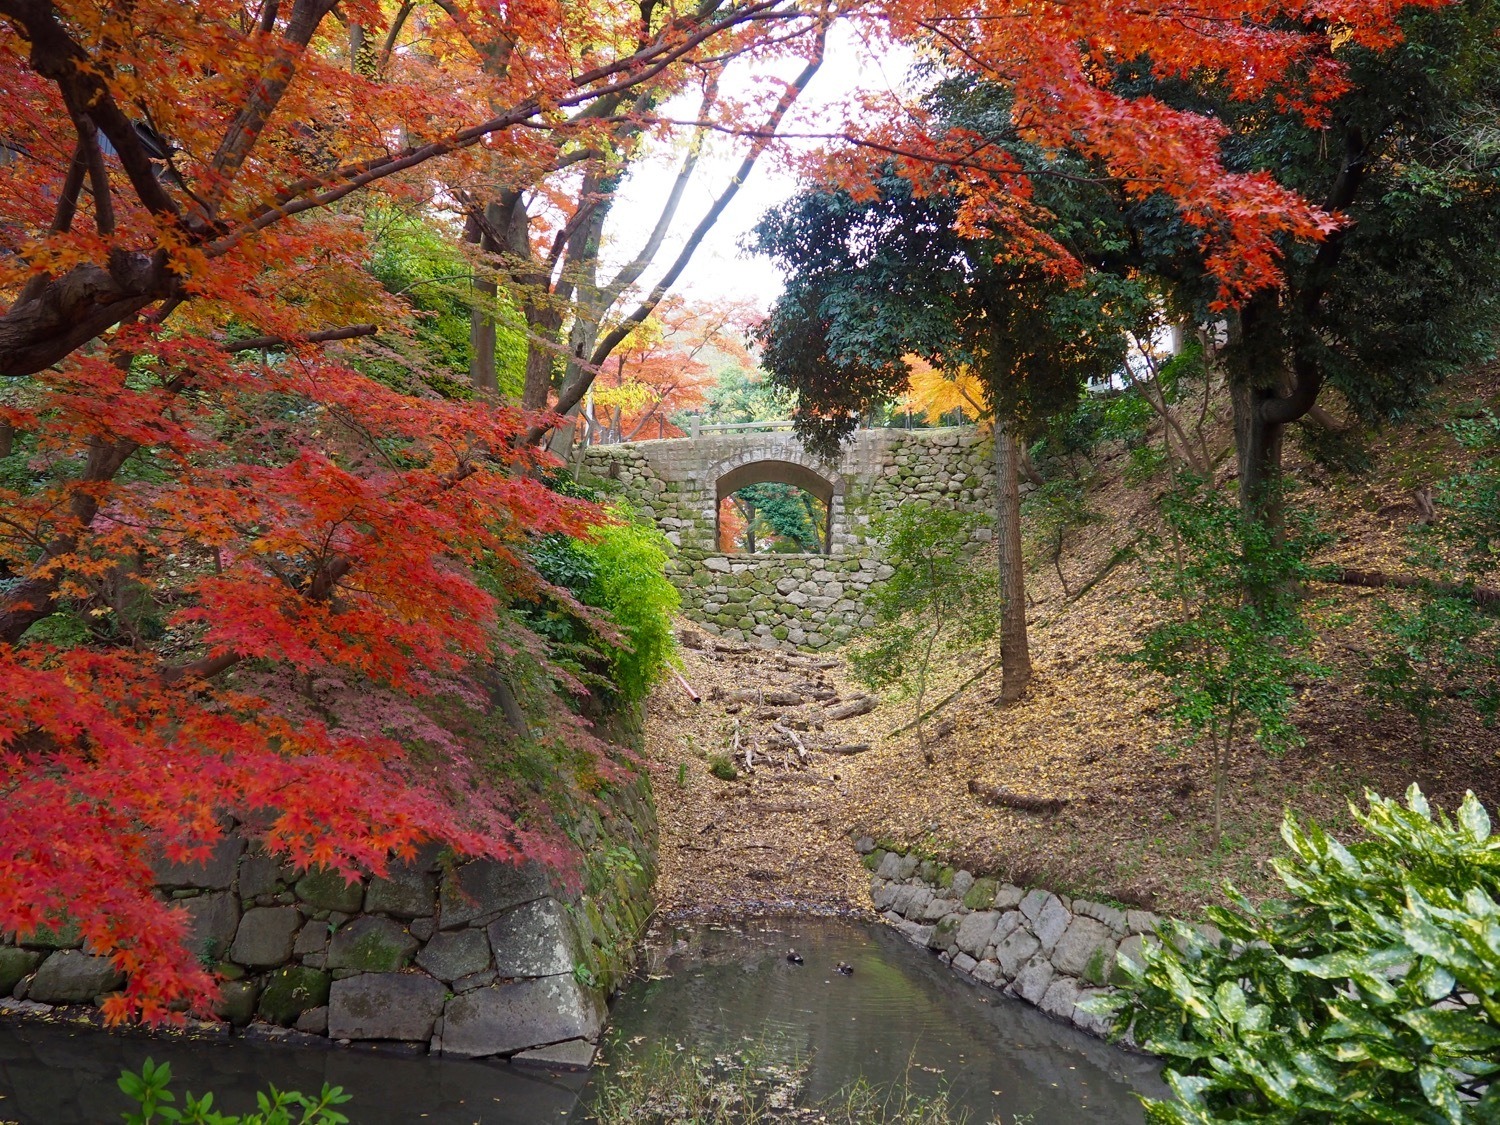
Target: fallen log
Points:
(1379, 580)
(861, 706)
(850, 748)
(1001, 797)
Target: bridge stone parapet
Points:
(790, 600)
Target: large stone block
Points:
(214, 874)
(1109, 915)
(1016, 950)
(485, 888)
(1031, 905)
(292, 991)
(976, 931)
(371, 944)
(15, 964)
(534, 940)
(402, 1006)
(1060, 998)
(1051, 923)
(212, 922)
(71, 976)
(325, 889)
(265, 936)
(405, 892)
(455, 953)
(507, 1018)
(1033, 980)
(260, 874)
(1086, 949)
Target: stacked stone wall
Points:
(1047, 949)
(800, 601)
(477, 959)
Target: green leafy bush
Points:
(722, 767)
(1446, 646)
(937, 599)
(1372, 993)
(1229, 648)
(149, 1090)
(630, 583)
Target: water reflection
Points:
(57, 1075)
(900, 1013)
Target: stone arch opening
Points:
(771, 471)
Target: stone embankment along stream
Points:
(1046, 949)
(471, 960)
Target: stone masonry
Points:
(785, 600)
(475, 959)
(1047, 949)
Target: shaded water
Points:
(900, 1013)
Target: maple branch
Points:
(398, 21)
(62, 218)
(264, 96)
(293, 199)
(632, 272)
(57, 56)
(267, 343)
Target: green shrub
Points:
(939, 599)
(1229, 646)
(1368, 995)
(1447, 645)
(149, 1091)
(630, 584)
(721, 767)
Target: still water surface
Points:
(713, 990)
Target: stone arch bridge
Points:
(790, 600)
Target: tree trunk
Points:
(482, 316)
(1257, 444)
(1015, 658)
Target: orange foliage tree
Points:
(664, 366)
(231, 565)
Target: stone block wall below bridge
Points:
(802, 600)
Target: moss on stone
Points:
(292, 991)
(326, 889)
(945, 877)
(982, 894)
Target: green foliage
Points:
(782, 518)
(1370, 994)
(721, 767)
(1229, 650)
(937, 599)
(149, 1090)
(1447, 646)
(629, 561)
(744, 396)
(418, 261)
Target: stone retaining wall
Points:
(795, 601)
(478, 959)
(1046, 949)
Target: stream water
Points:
(713, 990)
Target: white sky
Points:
(719, 270)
